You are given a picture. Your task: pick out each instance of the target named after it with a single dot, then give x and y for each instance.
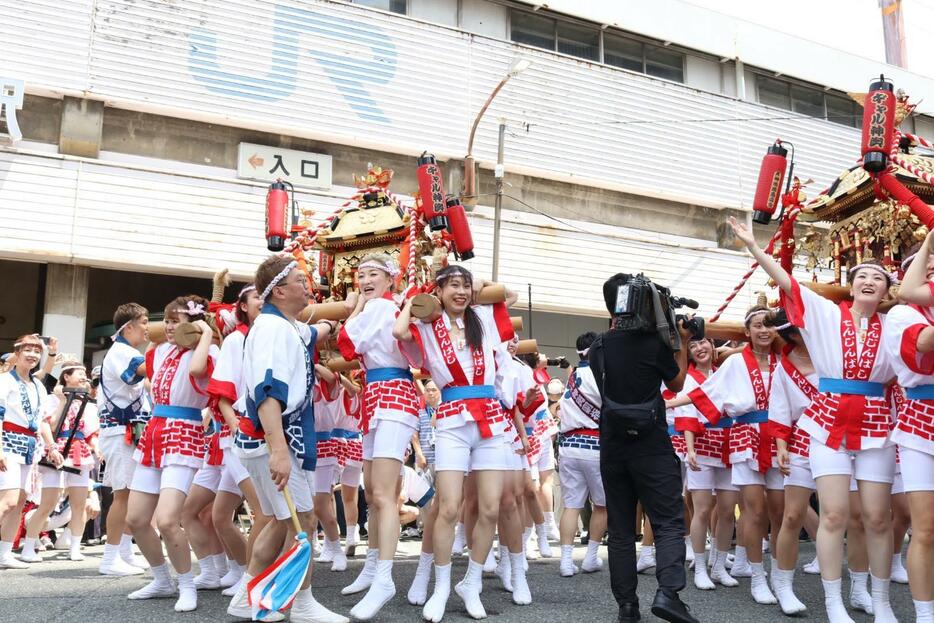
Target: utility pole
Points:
(498, 210)
(893, 32)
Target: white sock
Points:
(381, 591)
(6, 547)
(593, 549)
(126, 545)
(161, 573)
(783, 583)
(29, 546)
(521, 594)
(881, 605)
(741, 558)
(76, 545)
(187, 593)
(469, 590)
(220, 564)
(833, 602)
(761, 592)
(110, 552)
(352, 532)
(418, 592)
(549, 518)
(206, 565)
(924, 611)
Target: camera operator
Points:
(637, 462)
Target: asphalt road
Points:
(59, 590)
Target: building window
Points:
(844, 111)
(622, 52)
(579, 41)
(774, 92)
(664, 63)
(393, 6)
(809, 101)
(583, 41)
(533, 30)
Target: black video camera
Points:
(561, 362)
(645, 306)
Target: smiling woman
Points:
(850, 419)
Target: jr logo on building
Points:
(297, 34)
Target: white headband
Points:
(907, 261)
(782, 327)
(246, 289)
(77, 366)
(192, 309)
(583, 353)
(113, 338)
(392, 269)
(275, 280)
(892, 279)
(753, 314)
(41, 344)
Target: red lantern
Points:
(277, 216)
(769, 186)
(325, 266)
(431, 192)
(460, 229)
(878, 125)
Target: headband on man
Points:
(275, 280)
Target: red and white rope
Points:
(413, 244)
(919, 140)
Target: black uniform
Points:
(639, 467)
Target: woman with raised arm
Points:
(459, 350)
(390, 417)
(849, 420)
(909, 334)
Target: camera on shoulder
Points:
(641, 305)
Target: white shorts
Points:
(917, 470)
(271, 500)
(232, 475)
(118, 462)
(351, 476)
(153, 479)
(208, 477)
(55, 479)
(515, 462)
(872, 465)
(16, 476)
(546, 458)
(580, 478)
(325, 477)
(462, 449)
(389, 440)
(800, 475)
(710, 478)
(746, 473)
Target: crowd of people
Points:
(189, 435)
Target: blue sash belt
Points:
(343, 433)
(851, 386)
(467, 392)
(66, 433)
(177, 413)
(529, 429)
(920, 392)
(388, 374)
(752, 417)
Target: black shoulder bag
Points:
(638, 418)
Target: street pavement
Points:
(59, 590)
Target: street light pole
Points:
(498, 210)
(469, 197)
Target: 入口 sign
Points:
(301, 168)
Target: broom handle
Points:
(291, 505)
